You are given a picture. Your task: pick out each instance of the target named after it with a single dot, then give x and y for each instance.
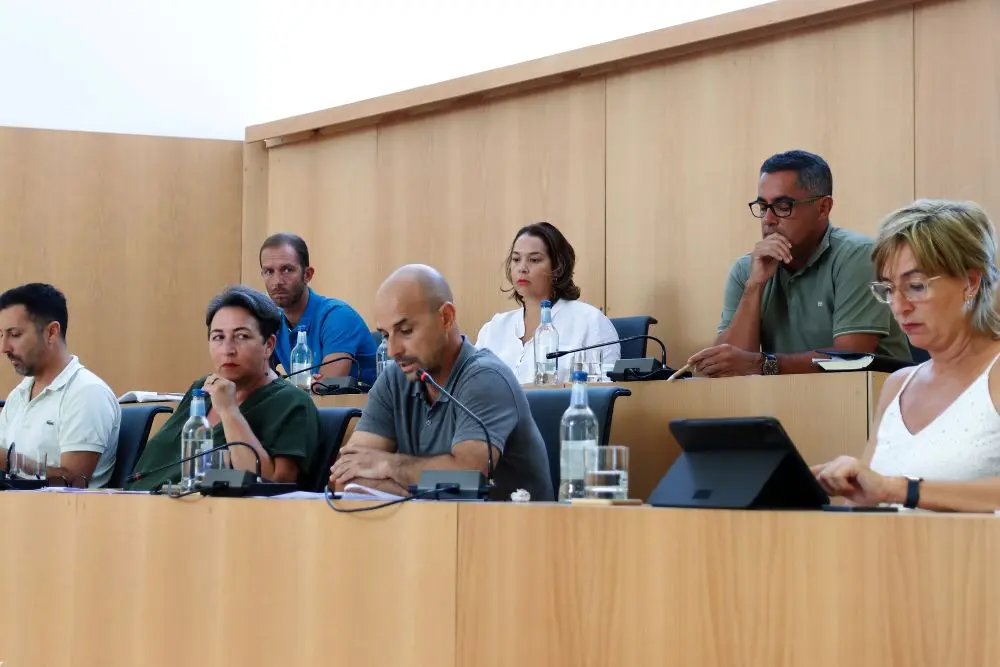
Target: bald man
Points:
(408, 427)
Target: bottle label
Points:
(572, 458)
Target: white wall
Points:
(162, 67)
(208, 68)
(322, 53)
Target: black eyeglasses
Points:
(782, 208)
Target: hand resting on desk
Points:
(849, 478)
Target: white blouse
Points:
(578, 324)
(960, 444)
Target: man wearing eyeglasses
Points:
(805, 285)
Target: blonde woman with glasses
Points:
(936, 435)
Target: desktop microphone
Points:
(136, 476)
(335, 384)
(629, 369)
(438, 476)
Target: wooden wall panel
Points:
(450, 191)
(255, 210)
(957, 74)
(325, 192)
(138, 232)
(685, 141)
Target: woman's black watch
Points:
(912, 492)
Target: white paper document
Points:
(149, 397)
(360, 492)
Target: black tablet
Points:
(737, 463)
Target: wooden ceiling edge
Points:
(753, 23)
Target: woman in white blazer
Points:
(540, 266)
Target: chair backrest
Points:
(333, 424)
(919, 354)
(137, 422)
(637, 325)
(1, 402)
(377, 338)
(547, 408)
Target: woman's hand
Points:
(849, 478)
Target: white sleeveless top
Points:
(961, 444)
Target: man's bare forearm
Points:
(406, 469)
(744, 329)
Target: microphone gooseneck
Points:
(343, 357)
(136, 476)
(425, 377)
(663, 348)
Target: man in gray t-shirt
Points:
(408, 426)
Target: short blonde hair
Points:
(947, 238)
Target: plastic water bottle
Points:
(577, 434)
(196, 436)
(382, 357)
(546, 340)
(302, 359)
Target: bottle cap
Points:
(579, 376)
(546, 304)
(198, 393)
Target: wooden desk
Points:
(825, 414)
(644, 586)
(126, 580)
(123, 580)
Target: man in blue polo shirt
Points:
(332, 327)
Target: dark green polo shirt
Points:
(828, 297)
(282, 416)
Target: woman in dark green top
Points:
(245, 399)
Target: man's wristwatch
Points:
(912, 492)
(769, 366)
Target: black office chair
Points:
(637, 325)
(919, 354)
(548, 406)
(333, 424)
(137, 422)
(1, 402)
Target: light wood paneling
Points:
(645, 586)
(449, 191)
(128, 580)
(255, 210)
(957, 73)
(138, 232)
(685, 141)
(641, 421)
(325, 192)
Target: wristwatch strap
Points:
(912, 492)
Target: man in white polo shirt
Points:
(60, 409)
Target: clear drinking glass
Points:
(594, 365)
(15, 463)
(607, 472)
(26, 467)
(37, 467)
(589, 361)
